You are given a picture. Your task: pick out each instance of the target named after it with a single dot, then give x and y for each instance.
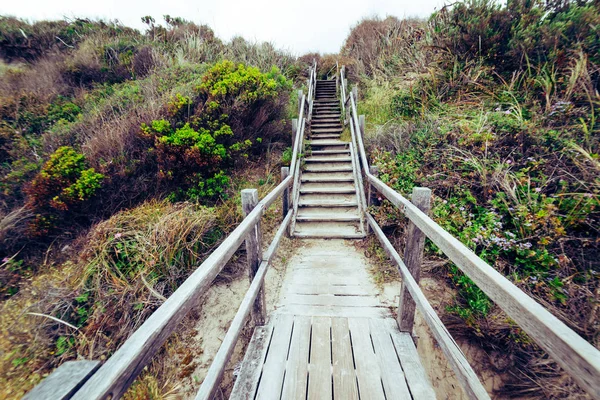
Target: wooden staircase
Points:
(328, 203)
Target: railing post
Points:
(285, 171)
(294, 130)
(372, 199)
(254, 254)
(413, 257)
(361, 124)
(355, 93)
(299, 100)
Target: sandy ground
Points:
(212, 318)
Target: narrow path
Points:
(331, 336)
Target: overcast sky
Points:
(298, 26)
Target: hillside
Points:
(122, 156)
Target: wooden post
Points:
(372, 199)
(294, 130)
(355, 93)
(285, 171)
(413, 257)
(361, 124)
(299, 100)
(254, 254)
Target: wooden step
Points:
(336, 229)
(327, 217)
(328, 142)
(319, 117)
(326, 130)
(328, 187)
(326, 136)
(327, 159)
(308, 176)
(320, 168)
(339, 153)
(318, 203)
(327, 120)
(318, 124)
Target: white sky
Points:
(298, 26)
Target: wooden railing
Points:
(112, 379)
(573, 353)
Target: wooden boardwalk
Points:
(330, 337)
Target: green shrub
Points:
(63, 185)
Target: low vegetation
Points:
(118, 159)
(495, 108)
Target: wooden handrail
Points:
(574, 354)
(117, 374)
(454, 354)
(114, 377)
(217, 368)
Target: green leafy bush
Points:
(63, 184)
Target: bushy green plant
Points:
(64, 183)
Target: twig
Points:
(54, 319)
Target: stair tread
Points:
(336, 229)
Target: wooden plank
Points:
(274, 367)
(392, 376)
(315, 289)
(367, 368)
(63, 381)
(335, 311)
(296, 370)
(416, 377)
(254, 255)
(319, 382)
(464, 373)
(329, 300)
(578, 357)
(344, 375)
(413, 257)
(211, 382)
(302, 278)
(247, 382)
(115, 375)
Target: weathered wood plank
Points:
(415, 374)
(344, 375)
(115, 376)
(413, 257)
(392, 376)
(319, 383)
(464, 373)
(211, 382)
(335, 311)
(63, 381)
(247, 382)
(254, 255)
(367, 368)
(334, 301)
(296, 371)
(271, 381)
(316, 289)
(578, 357)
